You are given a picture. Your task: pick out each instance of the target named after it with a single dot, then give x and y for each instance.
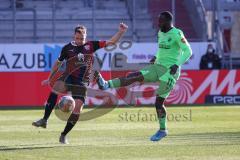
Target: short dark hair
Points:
(168, 15)
(80, 29)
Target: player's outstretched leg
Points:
(118, 82)
(162, 117)
(51, 102)
(72, 120)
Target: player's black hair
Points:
(168, 15)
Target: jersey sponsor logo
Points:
(87, 47)
(80, 58)
(164, 46)
(73, 43)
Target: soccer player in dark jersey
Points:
(78, 55)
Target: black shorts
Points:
(76, 86)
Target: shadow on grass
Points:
(37, 146)
(30, 147)
(24, 148)
(228, 137)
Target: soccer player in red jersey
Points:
(78, 55)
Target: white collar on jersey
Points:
(73, 43)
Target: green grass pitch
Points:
(195, 133)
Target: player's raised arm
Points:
(122, 29)
(185, 47)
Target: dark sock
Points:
(126, 81)
(72, 120)
(51, 102)
(161, 113)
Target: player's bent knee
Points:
(159, 103)
(159, 106)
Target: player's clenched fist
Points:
(123, 27)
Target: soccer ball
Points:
(66, 104)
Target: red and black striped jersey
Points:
(79, 59)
